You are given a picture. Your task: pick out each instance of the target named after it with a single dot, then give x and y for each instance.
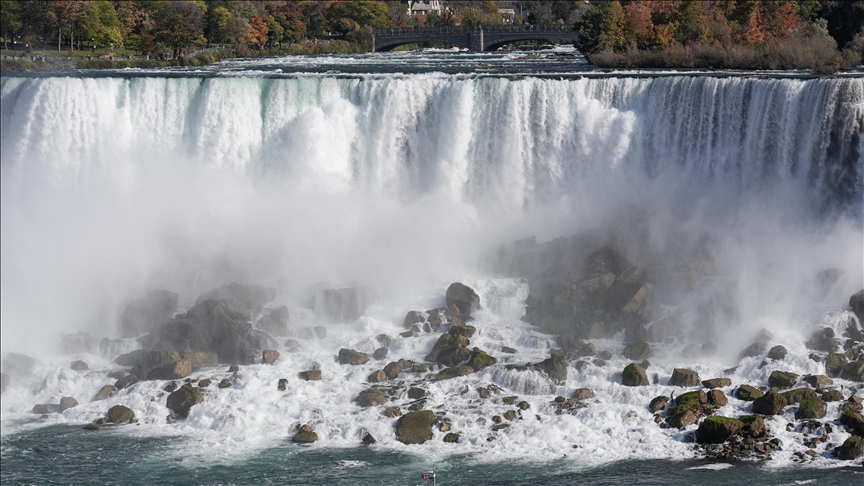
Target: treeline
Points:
(736, 34)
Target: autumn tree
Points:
(65, 15)
(181, 25)
(102, 25)
(258, 30)
(10, 20)
(289, 17)
(314, 18)
(362, 12)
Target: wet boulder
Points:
(684, 378)
(852, 448)
(555, 366)
(275, 322)
(269, 356)
(372, 397)
(832, 396)
(305, 435)
(755, 349)
(856, 302)
(171, 371)
(104, 392)
(78, 366)
(717, 429)
(480, 359)
(683, 418)
(450, 349)
(183, 399)
(119, 414)
(834, 364)
(225, 321)
(717, 383)
(853, 371)
(817, 381)
(782, 379)
(351, 357)
(637, 351)
(658, 403)
(43, 408)
(181, 333)
(823, 340)
(379, 354)
(126, 381)
(412, 318)
(377, 377)
(200, 359)
(67, 403)
(259, 339)
(717, 398)
(798, 394)
(463, 297)
(415, 427)
(771, 403)
(695, 400)
(225, 383)
(634, 375)
(777, 352)
(252, 296)
(143, 361)
(454, 372)
(582, 394)
(143, 314)
(852, 420)
(393, 368)
(810, 408)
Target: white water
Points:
(111, 186)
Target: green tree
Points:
(363, 12)
(65, 16)
(315, 19)
(102, 24)
(180, 26)
(275, 32)
(217, 24)
(602, 29)
(10, 21)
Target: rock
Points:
(305, 435)
(582, 394)
(479, 360)
(42, 408)
(415, 393)
(718, 429)
(143, 314)
(798, 394)
(351, 357)
(368, 439)
(67, 403)
(119, 414)
(171, 371)
(78, 343)
(694, 400)
(104, 392)
(717, 383)
(683, 418)
(832, 396)
(523, 405)
(782, 379)
(182, 333)
(125, 381)
(252, 296)
(379, 354)
(276, 321)
(200, 359)
(683, 377)
(451, 438)
(5, 380)
(852, 448)
(637, 351)
(418, 368)
(233, 369)
(450, 349)
(463, 297)
(717, 398)
(182, 400)
(605, 355)
(170, 387)
(392, 412)
(410, 334)
(856, 302)
(823, 340)
(225, 321)
(510, 415)
(853, 420)
(554, 366)
(817, 381)
(810, 408)
(269, 356)
(771, 403)
(204, 383)
(658, 403)
(634, 375)
(413, 317)
(417, 406)
(79, 366)
(310, 375)
(454, 372)
(19, 365)
(225, 383)
(853, 371)
(392, 369)
(259, 339)
(777, 352)
(283, 384)
(755, 349)
(377, 377)
(834, 364)
(415, 427)
(90, 427)
(507, 350)
(143, 361)
(342, 305)
(372, 397)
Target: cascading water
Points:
(113, 185)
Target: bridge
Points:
(474, 38)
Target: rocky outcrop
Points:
(555, 366)
(771, 403)
(454, 372)
(634, 375)
(259, 338)
(463, 297)
(782, 379)
(269, 356)
(834, 364)
(480, 359)
(182, 399)
(144, 313)
(798, 395)
(377, 377)
(856, 302)
(415, 427)
(351, 357)
(104, 392)
(718, 429)
(451, 348)
(276, 321)
(853, 371)
(305, 435)
(252, 296)
(225, 321)
(823, 340)
(684, 378)
(171, 371)
(372, 397)
(119, 414)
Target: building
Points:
(423, 8)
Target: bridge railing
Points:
(461, 30)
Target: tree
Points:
(315, 19)
(65, 15)
(275, 32)
(10, 22)
(238, 30)
(258, 30)
(102, 24)
(602, 29)
(217, 24)
(638, 24)
(363, 12)
(289, 18)
(181, 26)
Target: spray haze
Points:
(112, 186)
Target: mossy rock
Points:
(455, 372)
(748, 393)
(372, 397)
(555, 366)
(637, 351)
(305, 435)
(852, 448)
(182, 400)
(694, 400)
(853, 371)
(718, 429)
(782, 379)
(771, 403)
(834, 364)
(415, 427)
(634, 375)
(799, 394)
(479, 360)
(810, 408)
(351, 357)
(451, 438)
(852, 419)
(754, 425)
(119, 414)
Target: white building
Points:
(421, 7)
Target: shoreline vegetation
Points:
(823, 36)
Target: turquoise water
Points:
(65, 454)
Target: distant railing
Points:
(451, 30)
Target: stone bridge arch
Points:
(474, 38)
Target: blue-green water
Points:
(65, 454)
